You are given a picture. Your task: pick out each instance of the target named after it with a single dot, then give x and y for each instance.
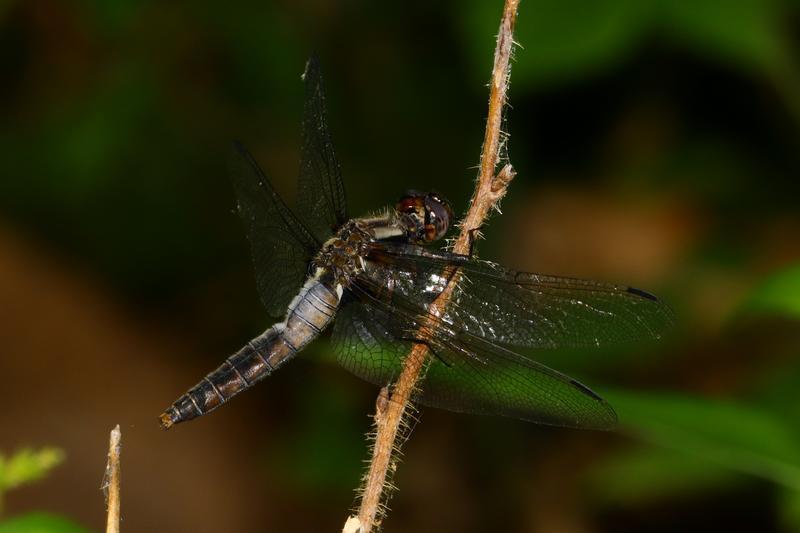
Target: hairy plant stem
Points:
(489, 189)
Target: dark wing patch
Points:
(280, 244)
(320, 196)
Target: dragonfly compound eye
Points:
(412, 210)
(411, 203)
(438, 216)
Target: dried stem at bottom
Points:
(111, 481)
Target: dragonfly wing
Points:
(320, 197)
(466, 373)
(364, 344)
(521, 308)
(280, 244)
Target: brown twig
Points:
(489, 189)
(111, 481)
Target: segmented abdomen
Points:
(309, 314)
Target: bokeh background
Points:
(657, 143)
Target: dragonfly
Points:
(373, 280)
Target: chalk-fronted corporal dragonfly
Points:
(373, 279)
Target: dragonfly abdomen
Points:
(309, 314)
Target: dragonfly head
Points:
(426, 215)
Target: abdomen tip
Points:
(166, 420)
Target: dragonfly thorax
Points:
(343, 254)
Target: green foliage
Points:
(312, 455)
(751, 35)
(27, 465)
(647, 473)
(778, 294)
(40, 523)
(568, 39)
(789, 509)
(733, 435)
(561, 39)
(320, 460)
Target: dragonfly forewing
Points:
(320, 190)
(280, 244)
(519, 308)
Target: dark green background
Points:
(657, 143)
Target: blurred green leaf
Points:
(40, 523)
(89, 140)
(776, 388)
(311, 457)
(27, 465)
(571, 38)
(644, 474)
(789, 509)
(736, 436)
(746, 31)
(779, 294)
(559, 38)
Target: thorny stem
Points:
(111, 481)
(489, 189)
